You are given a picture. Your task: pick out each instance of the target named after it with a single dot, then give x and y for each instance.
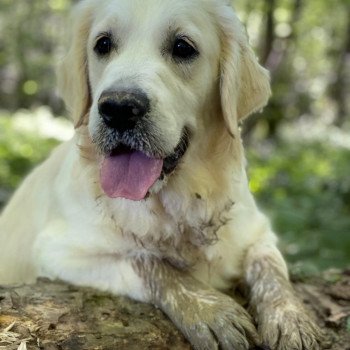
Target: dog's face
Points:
(152, 68)
(151, 76)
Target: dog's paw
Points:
(216, 322)
(290, 328)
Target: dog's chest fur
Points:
(177, 233)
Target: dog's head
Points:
(149, 77)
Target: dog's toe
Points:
(290, 330)
(221, 324)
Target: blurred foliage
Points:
(304, 185)
(20, 151)
(26, 139)
(305, 188)
(31, 34)
(306, 47)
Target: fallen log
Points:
(57, 316)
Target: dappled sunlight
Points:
(310, 129)
(26, 139)
(59, 5)
(42, 123)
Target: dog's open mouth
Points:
(128, 173)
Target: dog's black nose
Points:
(121, 110)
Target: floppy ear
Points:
(245, 84)
(72, 73)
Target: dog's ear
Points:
(245, 84)
(72, 72)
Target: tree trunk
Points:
(272, 59)
(342, 81)
(56, 316)
(269, 30)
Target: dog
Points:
(150, 198)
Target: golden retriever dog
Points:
(150, 198)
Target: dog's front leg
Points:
(208, 318)
(283, 323)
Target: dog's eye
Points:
(103, 46)
(183, 50)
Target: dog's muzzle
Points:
(129, 171)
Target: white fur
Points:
(60, 225)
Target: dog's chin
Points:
(130, 173)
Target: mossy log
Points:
(57, 316)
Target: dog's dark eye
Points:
(103, 46)
(183, 50)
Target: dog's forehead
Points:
(126, 15)
(142, 8)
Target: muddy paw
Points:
(290, 328)
(215, 321)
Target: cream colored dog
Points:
(150, 198)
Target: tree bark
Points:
(57, 316)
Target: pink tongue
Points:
(129, 175)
